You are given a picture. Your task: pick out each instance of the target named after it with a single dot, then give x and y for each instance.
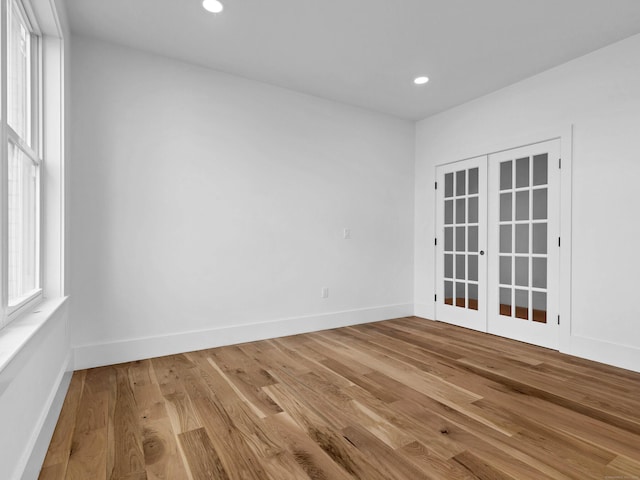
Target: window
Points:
(21, 160)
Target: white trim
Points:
(621, 356)
(22, 145)
(4, 162)
(35, 451)
(48, 19)
(24, 303)
(95, 355)
(26, 10)
(513, 140)
(53, 183)
(19, 332)
(566, 229)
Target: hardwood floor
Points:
(401, 399)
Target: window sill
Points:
(25, 304)
(17, 334)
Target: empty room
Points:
(319, 240)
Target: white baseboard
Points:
(39, 444)
(622, 356)
(95, 355)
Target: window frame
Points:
(34, 152)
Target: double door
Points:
(497, 258)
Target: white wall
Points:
(204, 203)
(599, 95)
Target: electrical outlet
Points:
(325, 292)
(347, 234)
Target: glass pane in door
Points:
(540, 165)
(473, 180)
(539, 307)
(460, 295)
(448, 292)
(505, 301)
(473, 296)
(448, 185)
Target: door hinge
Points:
(435, 298)
(558, 319)
(559, 163)
(435, 241)
(558, 241)
(436, 185)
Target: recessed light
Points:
(213, 6)
(420, 80)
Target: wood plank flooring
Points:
(402, 399)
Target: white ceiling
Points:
(367, 52)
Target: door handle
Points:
(481, 252)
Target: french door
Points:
(524, 217)
(513, 292)
(461, 261)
